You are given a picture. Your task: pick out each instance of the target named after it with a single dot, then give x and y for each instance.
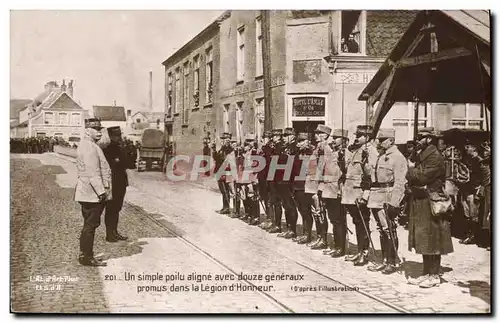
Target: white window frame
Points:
(240, 54)
(239, 121)
(259, 66)
(259, 112)
(45, 117)
(177, 90)
(209, 70)
(185, 94)
(362, 31)
(76, 118)
(62, 114)
(225, 117)
(469, 119)
(409, 120)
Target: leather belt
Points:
(382, 185)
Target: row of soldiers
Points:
(36, 145)
(368, 177)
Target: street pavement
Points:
(173, 229)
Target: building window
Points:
(240, 57)
(76, 119)
(259, 117)
(169, 94)
(58, 134)
(467, 115)
(196, 81)
(258, 48)
(239, 121)
(63, 118)
(137, 120)
(209, 75)
(40, 134)
(177, 90)
(225, 118)
(403, 116)
(352, 32)
(185, 106)
(49, 118)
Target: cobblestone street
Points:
(174, 230)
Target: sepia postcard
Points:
(250, 161)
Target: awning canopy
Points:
(443, 57)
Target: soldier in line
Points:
(315, 171)
(234, 186)
(265, 151)
(249, 182)
(311, 185)
(304, 150)
(330, 188)
(386, 193)
(93, 189)
(485, 209)
(429, 235)
(219, 157)
(285, 186)
(273, 179)
(117, 159)
(356, 189)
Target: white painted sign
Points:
(354, 77)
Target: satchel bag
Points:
(441, 203)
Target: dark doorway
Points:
(306, 126)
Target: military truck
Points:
(151, 150)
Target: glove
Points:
(102, 197)
(392, 211)
(361, 201)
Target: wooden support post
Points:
(266, 67)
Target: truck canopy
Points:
(153, 138)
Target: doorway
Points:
(306, 126)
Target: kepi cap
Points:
(427, 132)
(277, 132)
(321, 128)
(250, 137)
(364, 130)
(303, 136)
(116, 131)
(340, 133)
(289, 131)
(386, 133)
(93, 123)
(225, 135)
(267, 134)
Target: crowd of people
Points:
(369, 178)
(37, 145)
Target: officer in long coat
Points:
(93, 189)
(299, 181)
(219, 157)
(313, 179)
(356, 189)
(429, 235)
(387, 189)
(117, 159)
(330, 188)
(275, 176)
(266, 152)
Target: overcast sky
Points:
(107, 53)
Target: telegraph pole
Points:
(266, 67)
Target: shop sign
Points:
(308, 106)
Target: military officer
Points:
(233, 158)
(313, 179)
(249, 182)
(298, 174)
(273, 179)
(219, 157)
(93, 188)
(330, 188)
(285, 188)
(356, 189)
(265, 151)
(117, 159)
(386, 193)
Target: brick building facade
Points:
(191, 90)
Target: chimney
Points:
(114, 103)
(70, 88)
(129, 113)
(150, 106)
(63, 86)
(49, 86)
